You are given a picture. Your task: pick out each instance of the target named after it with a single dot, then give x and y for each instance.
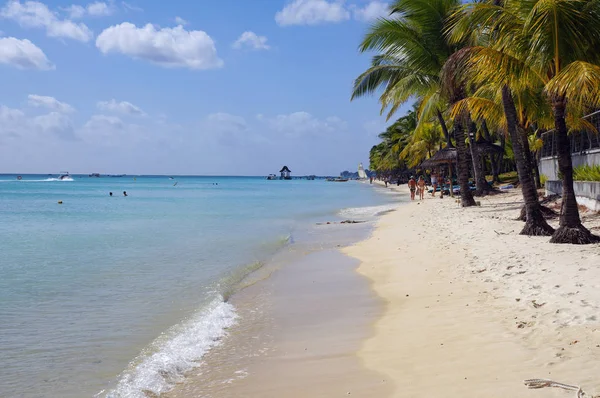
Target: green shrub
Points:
(587, 173)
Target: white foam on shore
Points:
(366, 212)
(167, 360)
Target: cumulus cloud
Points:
(167, 47)
(49, 102)
(303, 123)
(55, 123)
(96, 9)
(312, 12)
(102, 121)
(23, 54)
(370, 12)
(108, 130)
(15, 123)
(33, 14)
(12, 121)
(180, 21)
(124, 107)
(252, 41)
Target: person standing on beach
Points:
(421, 185)
(434, 183)
(412, 185)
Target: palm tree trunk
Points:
(500, 158)
(535, 224)
(462, 164)
(444, 129)
(494, 164)
(481, 185)
(527, 150)
(570, 230)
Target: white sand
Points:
(461, 286)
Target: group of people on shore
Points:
(418, 186)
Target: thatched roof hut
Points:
(443, 156)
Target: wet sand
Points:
(302, 319)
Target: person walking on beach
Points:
(412, 185)
(434, 183)
(421, 185)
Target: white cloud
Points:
(226, 121)
(124, 107)
(12, 121)
(109, 131)
(99, 9)
(303, 123)
(101, 121)
(167, 47)
(33, 14)
(23, 54)
(131, 7)
(50, 103)
(312, 12)
(180, 21)
(375, 9)
(15, 123)
(96, 9)
(55, 123)
(251, 40)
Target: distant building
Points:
(286, 174)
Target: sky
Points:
(205, 87)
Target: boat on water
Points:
(64, 175)
(272, 177)
(95, 175)
(338, 179)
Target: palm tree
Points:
(549, 46)
(412, 50)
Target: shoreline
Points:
(302, 316)
(473, 309)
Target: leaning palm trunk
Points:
(535, 224)
(570, 230)
(444, 129)
(462, 165)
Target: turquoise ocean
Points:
(118, 296)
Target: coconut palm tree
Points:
(412, 50)
(548, 46)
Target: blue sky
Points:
(184, 87)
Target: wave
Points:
(166, 361)
(366, 212)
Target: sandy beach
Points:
(439, 301)
(473, 309)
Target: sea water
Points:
(120, 296)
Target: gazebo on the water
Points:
(285, 173)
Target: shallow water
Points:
(111, 296)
